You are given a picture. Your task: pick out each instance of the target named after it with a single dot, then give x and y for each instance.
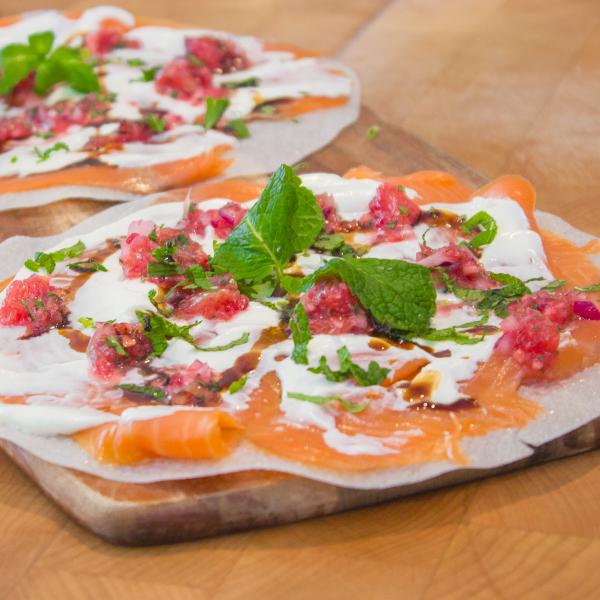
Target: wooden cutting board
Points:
(174, 511)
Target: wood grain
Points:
(531, 534)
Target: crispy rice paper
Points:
(562, 413)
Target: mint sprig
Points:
(64, 64)
(158, 330)
(283, 222)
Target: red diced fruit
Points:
(186, 81)
(194, 385)
(221, 305)
(224, 220)
(460, 264)
(532, 329)
(332, 309)
(116, 348)
(219, 56)
(106, 39)
(393, 207)
(35, 304)
(137, 248)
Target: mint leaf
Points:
(352, 407)
(283, 222)
(238, 342)
(486, 222)
(327, 242)
(373, 132)
(236, 386)
(214, 111)
(140, 389)
(375, 375)
(16, 62)
(240, 128)
(250, 82)
(300, 334)
(396, 292)
(41, 43)
(135, 62)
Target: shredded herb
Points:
(236, 386)
(87, 266)
(250, 82)
(373, 132)
(140, 389)
(48, 261)
(156, 123)
(86, 322)
(352, 407)
(375, 375)
(300, 334)
(214, 111)
(240, 128)
(46, 154)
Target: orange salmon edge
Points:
(362, 172)
(233, 189)
(297, 106)
(297, 51)
(4, 284)
(142, 180)
(6, 21)
(183, 434)
(110, 22)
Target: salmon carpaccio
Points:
(160, 106)
(398, 420)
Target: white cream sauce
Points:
(53, 375)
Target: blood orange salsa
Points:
(345, 322)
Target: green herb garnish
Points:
(87, 266)
(487, 223)
(48, 261)
(46, 154)
(373, 132)
(240, 128)
(236, 386)
(156, 123)
(214, 111)
(349, 406)
(140, 389)
(250, 82)
(301, 334)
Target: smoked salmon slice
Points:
(189, 434)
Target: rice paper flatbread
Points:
(101, 105)
(307, 371)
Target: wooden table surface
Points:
(508, 86)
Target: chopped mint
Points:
(46, 154)
(156, 123)
(349, 406)
(48, 261)
(375, 375)
(214, 111)
(240, 128)
(373, 132)
(86, 322)
(195, 60)
(157, 329)
(236, 386)
(250, 82)
(300, 334)
(135, 62)
(487, 223)
(551, 287)
(268, 109)
(238, 342)
(87, 266)
(140, 389)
